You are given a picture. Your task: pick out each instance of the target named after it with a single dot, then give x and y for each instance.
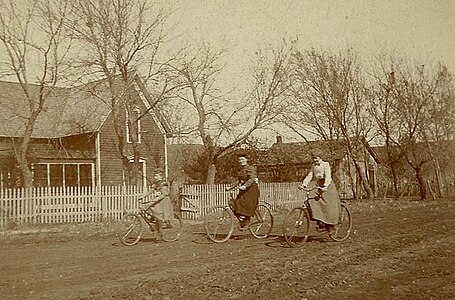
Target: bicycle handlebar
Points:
(309, 190)
(142, 201)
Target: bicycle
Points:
(297, 223)
(219, 222)
(131, 226)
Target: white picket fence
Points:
(196, 200)
(66, 205)
(94, 204)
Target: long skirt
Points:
(246, 201)
(325, 206)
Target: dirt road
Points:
(398, 250)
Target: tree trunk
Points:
(437, 171)
(211, 174)
(22, 156)
(421, 181)
(364, 181)
(26, 173)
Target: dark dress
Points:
(247, 200)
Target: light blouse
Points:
(319, 171)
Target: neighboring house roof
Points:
(67, 111)
(421, 150)
(301, 152)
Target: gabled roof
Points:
(67, 111)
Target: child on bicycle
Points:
(161, 204)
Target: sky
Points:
(423, 30)
(420, 30)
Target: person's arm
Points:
(162, 193)
(251, 174)
(327, 174)
(149, 192)
(308, 178)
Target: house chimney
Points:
(279, 139)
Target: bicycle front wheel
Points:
(343, 229)
(261, 222)
(130, 230)
(170, 230)
(219, 224)
(296, 226)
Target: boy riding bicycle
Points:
(161, 204)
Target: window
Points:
(40, 172)
(142, 176)
(63, 174)
(56, 175)
(136, 122)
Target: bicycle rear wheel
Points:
(130, 230)
(261, 222)
(296, 226)
(219, 224)
(170, 230)
(343, 229)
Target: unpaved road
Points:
(399, 250)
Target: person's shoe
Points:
(320, 227)
(244, 224)
(330, 229)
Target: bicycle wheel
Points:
(170, 230)
(219, 224)
(130, 230)
(296, 226)
(343, 228)
(261, 222)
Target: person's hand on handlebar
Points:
(323, 188)
(302, 187)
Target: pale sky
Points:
(422, 29)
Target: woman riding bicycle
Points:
(246, 202)
(325, 201)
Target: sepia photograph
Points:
(227, 149)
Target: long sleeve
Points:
(249, 173)
(162, 193)
(327, 173)
(308, 177)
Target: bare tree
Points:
(33, 38)
(119, 39)
(223, 123)
(329, 102)
(413, 108)
(383, 102)
(417, 107)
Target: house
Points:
(75, 142)
(435, 161)
(287, 162)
